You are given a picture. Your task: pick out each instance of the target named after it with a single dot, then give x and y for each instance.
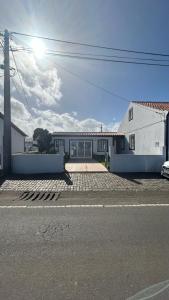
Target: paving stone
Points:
(87, 182)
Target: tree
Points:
(43, 139)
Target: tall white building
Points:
(145, 126)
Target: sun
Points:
(38, 48)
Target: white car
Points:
(165, 169)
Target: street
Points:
(80, 252)
(84, 150)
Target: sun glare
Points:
(38, 48)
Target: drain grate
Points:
(44, 196)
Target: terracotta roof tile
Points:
(156, 105)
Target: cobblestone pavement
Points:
(86, 182)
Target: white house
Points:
(18, 138)
(145, 126)
(87, 144)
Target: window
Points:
(102, 145)
(132, 142)
(59, 145)
(131, 114)
(122, 143)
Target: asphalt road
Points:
(84, 253)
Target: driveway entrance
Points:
(84, 165)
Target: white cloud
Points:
(40, 79)
(43, 88)
(52, 121)
(65, 122)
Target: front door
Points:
(80, 149)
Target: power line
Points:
(97, 86)
(91, 54)
(90, 45)
(96, 57)
(104, 89)
(103, 59)
(92, 83)
(10, 67)
(14, 75)
(18, 91)
(146, 126)
(20, 79)
(108, 60)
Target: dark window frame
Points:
(132, 144)
(130, 114)
(101, 140)
(59, 140)
(122, 143)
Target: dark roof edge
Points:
(14, 126)
(141, 101)
(84, 133)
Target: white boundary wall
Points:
(37, 163)
(136, 163)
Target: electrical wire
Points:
(103, 59)
(103, 89)
(18, 90)
(106, 90)
(20, 79)
(16, 70)
(92, 83)
(146, 126)
(94, 58)
(91, 54)
(89, 45)
(108, 60)
(11, 69)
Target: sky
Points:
(58, 100)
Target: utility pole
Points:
(7, 108)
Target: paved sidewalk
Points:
(86, 182)
(84, 166)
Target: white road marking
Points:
(88, 205)
(151, 291)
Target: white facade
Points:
(18, 140)
(89, 142)
(92, 139)
(148, 126)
